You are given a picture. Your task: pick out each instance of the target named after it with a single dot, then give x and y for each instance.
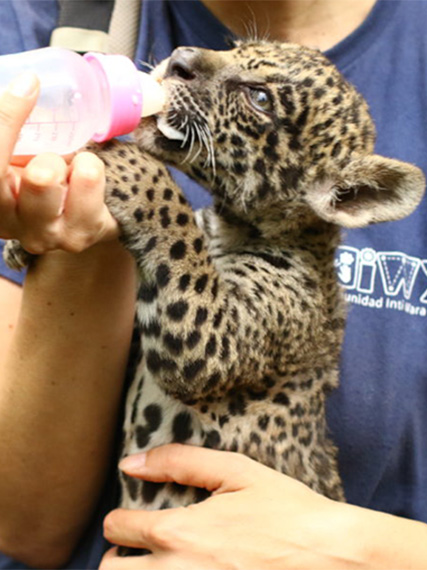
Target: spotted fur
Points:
(239, 314)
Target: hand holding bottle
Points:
(48, 202)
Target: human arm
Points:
(63, 369)
(10, 302)
(256, 519)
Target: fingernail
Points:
(133, 463)
(24, 85)
(41, 175)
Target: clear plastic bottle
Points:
(93, 97)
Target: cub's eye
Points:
(260, 99)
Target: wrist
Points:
(93, 274)
(103, 255)
(378, 540)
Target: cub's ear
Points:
(369, 189)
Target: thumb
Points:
(16, 103)
(221, 471)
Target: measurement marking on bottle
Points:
(51, 123)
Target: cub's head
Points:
(269, 128)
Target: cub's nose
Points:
(184, 63)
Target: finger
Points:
(112, 561)
(110, 554)
(196, 466)
(137, 529)
(8, 205)
(43, 190)
(16, 103)
(85, 206)
(22, 160)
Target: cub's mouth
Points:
(170, 123)
(155, 135)
(165, 137)
(168, 131)
(181, 131)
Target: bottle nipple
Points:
(153, 95)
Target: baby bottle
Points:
(94, 97)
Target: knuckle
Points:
(7, 117)
(43, 241)
(240, 459)
(164, 532)
(76, 240)
(49, 235)
(73, 245)
(243, 464)
(34, 247)
(172, 458)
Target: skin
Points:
(316, 23)
(56, 382)
(303, 530)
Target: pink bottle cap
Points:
(124, 90)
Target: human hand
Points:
(48, 202)
(256, 518)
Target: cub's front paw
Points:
(15, 255)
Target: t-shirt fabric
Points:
(378, 416)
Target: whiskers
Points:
(205, 140)
(147, 66)
(198, 138)
(253, 27)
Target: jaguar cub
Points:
(239, 314)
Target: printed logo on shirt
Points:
(383, 279)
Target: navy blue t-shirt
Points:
(378, 415)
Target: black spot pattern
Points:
(150, 490)
(178, 250)
(153, 416)
(200, 284)
(184, 282)
(201, 316)
(163, 275)
(192, 369)
(182, 429)
(177, 311)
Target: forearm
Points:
(59, 398)
(378, 540)
(10, 301)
